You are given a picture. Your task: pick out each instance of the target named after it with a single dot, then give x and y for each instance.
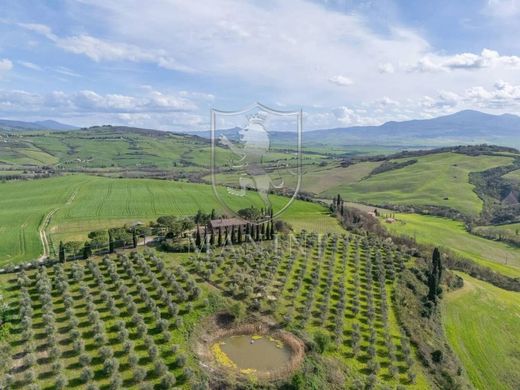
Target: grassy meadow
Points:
(438, 179)
(482, 323)
(316, 179)
(82, 203)
(514, 176)
(509, 231)
(451, 235)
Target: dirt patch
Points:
(219, 326)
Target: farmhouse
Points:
(224, 223)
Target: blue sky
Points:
(164, 64)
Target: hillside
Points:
(482, 325)
(116, 150)
(11, 125)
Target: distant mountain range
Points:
(10, 125)
(464, 127)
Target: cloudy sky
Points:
(164, 64)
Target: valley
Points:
(60, 187)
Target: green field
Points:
(449, 234)
(82, 203)
(514, 176)
(482, 323)
(440, 179)
(509, 231)
(315, 179)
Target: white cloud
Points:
(91, 102)
(30, 65)
(104, 50)
(504, 8)
(258, 46)
(469, 61)
(5, 66)
(386, 68)
(342, 81)
(352, 117)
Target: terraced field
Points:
(82, 203)
(482, 323)
(440, 179)
(451, 235)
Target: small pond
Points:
(259, 353)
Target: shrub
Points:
(322, 341)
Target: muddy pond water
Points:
(261, 353)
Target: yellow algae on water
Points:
(256, 337)
(221, 356)
(277, 343)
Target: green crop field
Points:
(451, 235)
(440, 179)
(78, 204)
(315, 179)
(482, 323)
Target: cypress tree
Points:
(110, 242)
(272, 229)
(434, 278)
(87, 250)
(437, 265)
(233, 236)
(61, 252)
(262, 230)
(197, 237)
(219, 236)
(212, 214)
(342, 208)
(432, 286)
(257, 234)
(240, 234)
(134, 238)
(268, 231)
(212, 238)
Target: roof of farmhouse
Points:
(225, 222)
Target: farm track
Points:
(42, 230)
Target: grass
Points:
(438, 179)
(84, 203)
(308, 296)
(509, 231)
(451, 235)
(316, 179)
(482, 323)
(190, 311)
(513, 176)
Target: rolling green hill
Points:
(77, 204)
(514, 176)
(449, 234)
(439, 179)
(482, 324)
